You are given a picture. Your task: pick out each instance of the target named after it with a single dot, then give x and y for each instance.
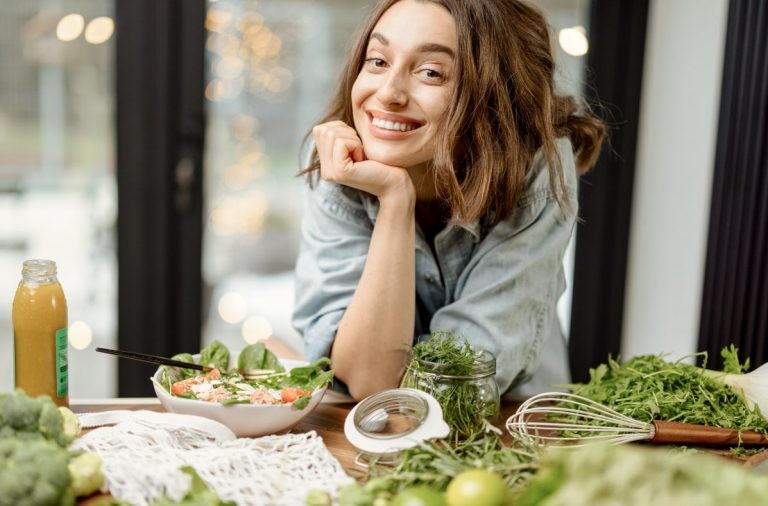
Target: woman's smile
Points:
(391, 126)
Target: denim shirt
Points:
(497, 287)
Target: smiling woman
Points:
(442, 195)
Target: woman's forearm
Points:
(371, 344)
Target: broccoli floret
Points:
(87, 477)
(71, 424)
(27, 418)
(20, 412)
(34, 473)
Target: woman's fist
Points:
(342, 160)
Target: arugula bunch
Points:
(647, 388)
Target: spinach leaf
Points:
(215, 355)
(311, 376)
(301, 402)
(172, 374)
(257, 356)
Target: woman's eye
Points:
(432, 74)
(376, 62)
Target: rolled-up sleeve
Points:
(506, 298)
(336, 233)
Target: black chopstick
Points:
(153, 359)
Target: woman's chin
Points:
(388, 158)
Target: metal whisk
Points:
(575, 420)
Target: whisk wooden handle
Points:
(677, 433)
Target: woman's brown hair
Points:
(504, 109)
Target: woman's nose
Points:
(393, 90)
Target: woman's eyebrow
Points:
(430, 47)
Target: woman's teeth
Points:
(392, 125)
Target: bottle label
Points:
(62, 367)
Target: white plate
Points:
(245, 420)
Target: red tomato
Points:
(290, 394)
(185, 386)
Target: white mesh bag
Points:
(143, 452)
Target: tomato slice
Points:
(185, 386)
(290, 394)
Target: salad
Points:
(258, 378)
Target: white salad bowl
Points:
(245, 420)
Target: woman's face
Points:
(402, 92)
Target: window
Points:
(57, 184)
(271, 67)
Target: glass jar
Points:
(40, 333)
(469, 399)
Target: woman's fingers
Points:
(344, 154)
(338, 147)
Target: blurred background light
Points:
(70, 27)
(80, 335)
(232, 307)
(99, 30)
(256, 328)
(573, 40)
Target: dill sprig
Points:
(435, 463)
(446, 350)
(446, 366)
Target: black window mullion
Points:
(614, 77)
(735, 298)
(159, 148)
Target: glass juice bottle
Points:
(40, 333)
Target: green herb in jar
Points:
(460, 377)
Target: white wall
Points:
(676, 148)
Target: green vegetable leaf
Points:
(354, 495)
(301, 402)
(215, 355)
(311, 376)
(172, 374)
(731, 364)
(647, 388)
(256, 356)
(199, 494)
(543, 485)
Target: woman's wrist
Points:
(400, 197)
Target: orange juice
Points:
(40, 333)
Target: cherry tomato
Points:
(290, 394)
(476, 487)
(418, 496)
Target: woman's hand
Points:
(342, 161)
